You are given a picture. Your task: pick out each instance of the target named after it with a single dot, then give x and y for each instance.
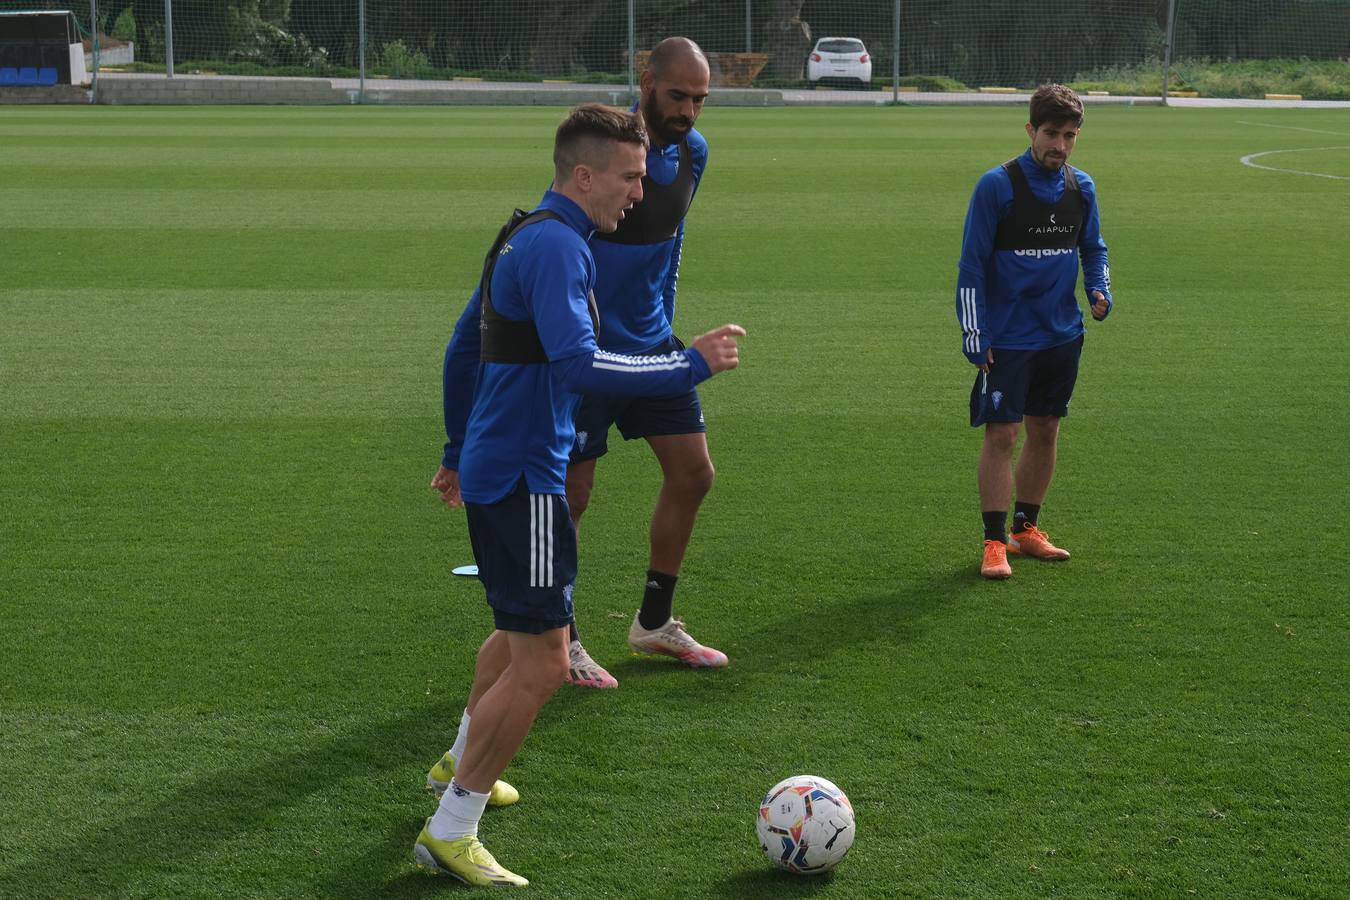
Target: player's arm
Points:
(1092, 251)
(615, 374)
(557, 284)
(698, 154)
(459, 376)
(977, 245)
(672, 275)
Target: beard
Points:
(670, 130)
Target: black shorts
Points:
(1026, 383)
(637, 417)
(526, 550)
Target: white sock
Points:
(461, 739)
(458, 814)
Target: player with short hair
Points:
(1028, 222)
(538, 354)
(637, 267)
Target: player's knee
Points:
(1001, 436)
(695, 481)
(544, 676)
(1043, 429)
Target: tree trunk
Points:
(787, 40)
(556, 45)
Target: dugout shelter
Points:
(40, 48)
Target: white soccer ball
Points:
(805, 825)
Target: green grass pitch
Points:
(230, 646)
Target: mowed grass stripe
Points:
(225, 578)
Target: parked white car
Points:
(839, 59)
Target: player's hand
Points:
(1101, 306)
(446, 483)
(981, 361)
(718, 348)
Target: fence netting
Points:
(962, 48)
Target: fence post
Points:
(168, 37)
(93, 28)
(895, 53)
(361, 47)
(747, 27)
(1167, 47)
(632, 50)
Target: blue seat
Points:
(9, 75)
(28, 75)
(46, 75)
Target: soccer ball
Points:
(805, 825)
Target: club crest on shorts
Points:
(581, 440)
(998, 398)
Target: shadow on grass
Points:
(212, 810)
(119, 857)
(825, 626)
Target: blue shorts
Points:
(637, 417)
(1026, 383)
(526, 550)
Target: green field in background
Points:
(230, 646)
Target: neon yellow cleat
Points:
(438, 779)
(464, 858)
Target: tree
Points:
(787, 40)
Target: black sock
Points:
(657, 600)
(1024, 514)
(572, 633)
(994, 525)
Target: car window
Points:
(840, 47)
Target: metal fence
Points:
(960, 47)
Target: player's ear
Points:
(581, 176)
(1031, 132)
(646, 81)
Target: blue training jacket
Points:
(520, 423)
(634, 291)
(1017, 300)
(635, 283)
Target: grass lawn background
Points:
(230, 646)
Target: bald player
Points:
(637, 267)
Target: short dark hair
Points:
(584, 137)
(1055, 103)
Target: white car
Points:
(839, 59)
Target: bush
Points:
(1250, 79)
(269, 45)
(398, 61)
(124, 29)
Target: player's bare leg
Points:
(1035, 469)
(580, 483)
(505, 712)
(502, 718)
(493, 657)
(582, 670)
(687, 477)
(995, 469)
(688, 474)
(996, 480)
(1036, 463)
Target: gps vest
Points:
(514, 341)
(1033, 225)
(662, 209)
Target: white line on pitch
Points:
(1296, 128)
(1247, 161)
